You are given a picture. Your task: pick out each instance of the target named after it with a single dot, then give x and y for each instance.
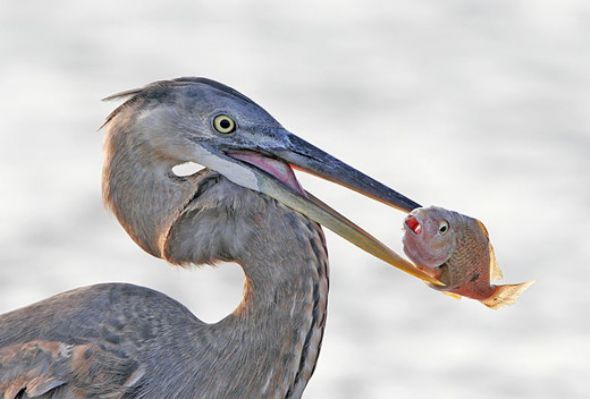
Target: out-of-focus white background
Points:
(481, 107)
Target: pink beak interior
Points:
(278, 169)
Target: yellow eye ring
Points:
(224, 124)
(443, 227)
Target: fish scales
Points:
(456, 249)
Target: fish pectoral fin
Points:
(495, 271)
(452, 295)
(443, 289)
(506, 295)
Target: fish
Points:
(456, 249)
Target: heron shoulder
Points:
(94, 312)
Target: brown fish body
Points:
(456, 249)
(467, 272)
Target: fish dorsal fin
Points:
(495, 272)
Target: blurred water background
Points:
(477, 106)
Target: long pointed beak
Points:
(273, 178)
(311, 159)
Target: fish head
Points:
(430, 236)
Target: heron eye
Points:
(443, 227)
(224, 124)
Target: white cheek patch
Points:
(186, 169)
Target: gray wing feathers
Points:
(51, 369)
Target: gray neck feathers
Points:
(274, 336)
(268, 346)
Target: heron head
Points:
(202, 121)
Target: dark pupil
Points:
(225, 124)
(443, 228)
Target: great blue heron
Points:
(124, 341)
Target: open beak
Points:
(271, 168)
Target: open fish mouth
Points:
(413, 224)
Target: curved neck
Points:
(269, 345)
(281, 320)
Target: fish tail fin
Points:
(506, 295)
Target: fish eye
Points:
(224, 124)
(443, 227)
